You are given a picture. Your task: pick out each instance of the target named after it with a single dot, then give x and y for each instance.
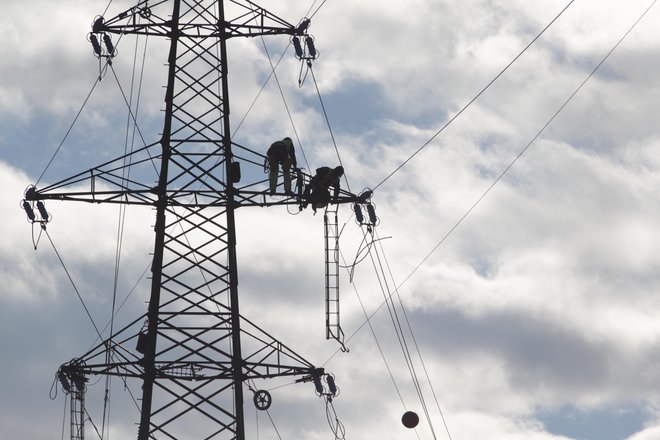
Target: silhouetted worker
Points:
(318, 191)
(281, 153)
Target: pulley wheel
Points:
(262, 400)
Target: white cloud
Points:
(649, 433)
(544, 296)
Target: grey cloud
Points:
(573, 219)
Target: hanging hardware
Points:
(262, 400)
(106, 52)
(306, 52)
(364, 202)
(28, 204)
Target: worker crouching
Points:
(317, 192)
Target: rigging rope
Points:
(134, 118)
(327, 120)
(66, 401)
(263, 86)
(277, 81)
(400, 335)
(72, 283)
(336, 426)
(89, 417)
(373, 333)
(405, 314)
(272, 422)
(121, 305)
(126, 171)
(66, 135)
(394, 316)
(106, 8)
(453, 118)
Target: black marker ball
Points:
(410, 419)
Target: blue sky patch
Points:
(608, 423)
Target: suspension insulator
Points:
(317, 384)
(331, 384)
(108, 44)
(311, 50)
(358, 213)
(64, 381)
(42, 210)
(95, 44)
(372, 214)
(28, 210)
(298, 47)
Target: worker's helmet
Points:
(287, 140)
(339, 171)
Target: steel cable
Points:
(453, 118)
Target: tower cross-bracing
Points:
(192, 350)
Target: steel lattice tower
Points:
(196, 352)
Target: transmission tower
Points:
(192, 350)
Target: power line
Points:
(317, 9)
(453, 118)
(397, 288)
(460, 220)
(442, 240)
(529, 144)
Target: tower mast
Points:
(197, 351)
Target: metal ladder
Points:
(77, 411)
(332, 324)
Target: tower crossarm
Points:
(246, 20)
(121, 181)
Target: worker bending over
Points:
(317, 192)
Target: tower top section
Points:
(240, 19)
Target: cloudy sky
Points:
(535, 316)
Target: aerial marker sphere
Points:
(410, 419)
